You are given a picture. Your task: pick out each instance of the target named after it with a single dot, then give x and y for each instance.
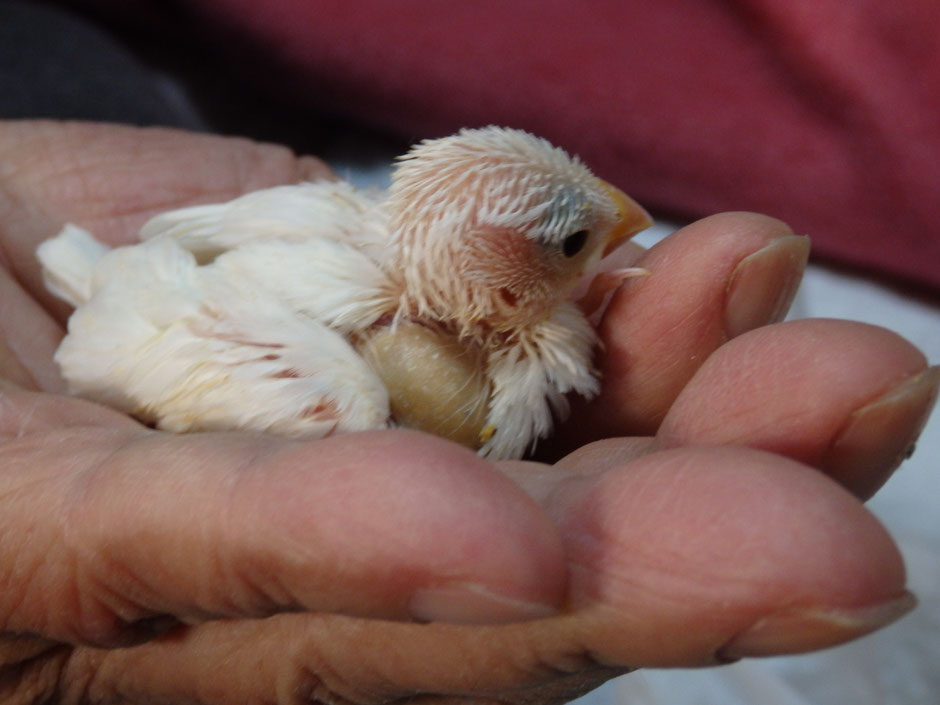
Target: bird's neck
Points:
(433, 286)
(473, 313)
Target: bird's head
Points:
(494, 226)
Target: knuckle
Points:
(323, 670)
(314, 681)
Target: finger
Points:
(706, 551)
(11, 369)
(708, 282)
(24, 412)
(28, 339)
(330, 659)
(844, 397)
(107, 531)
(684, 557)
(111, 179)
(540, 480)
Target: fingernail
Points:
(471, 603)
(880, 435)
(799, 630)
(764, 283)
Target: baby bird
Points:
(314, 309)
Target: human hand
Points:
(219, 568)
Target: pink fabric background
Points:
(825, 113)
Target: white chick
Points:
(315, 309)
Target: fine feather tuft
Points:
(68, 262)
(456, 199)
(492, 174)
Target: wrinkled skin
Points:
(720, 519)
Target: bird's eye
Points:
(574, 243)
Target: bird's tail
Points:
(68, 261)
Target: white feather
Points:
(323, 279)
(67, 263)
(183, 345)
(531, 378)
(296, 213)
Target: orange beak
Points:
(631, 218)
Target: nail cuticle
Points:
(763, 284)
(798, 630)
(471, 603)
(880, 435)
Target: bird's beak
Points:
(631, 218)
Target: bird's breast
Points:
(435, 382)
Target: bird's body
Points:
(315, 309)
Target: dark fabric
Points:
(825, 113)
(54, 64)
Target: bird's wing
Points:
(172, 343)
(293, 213)
(531, 377)
(330, 281)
